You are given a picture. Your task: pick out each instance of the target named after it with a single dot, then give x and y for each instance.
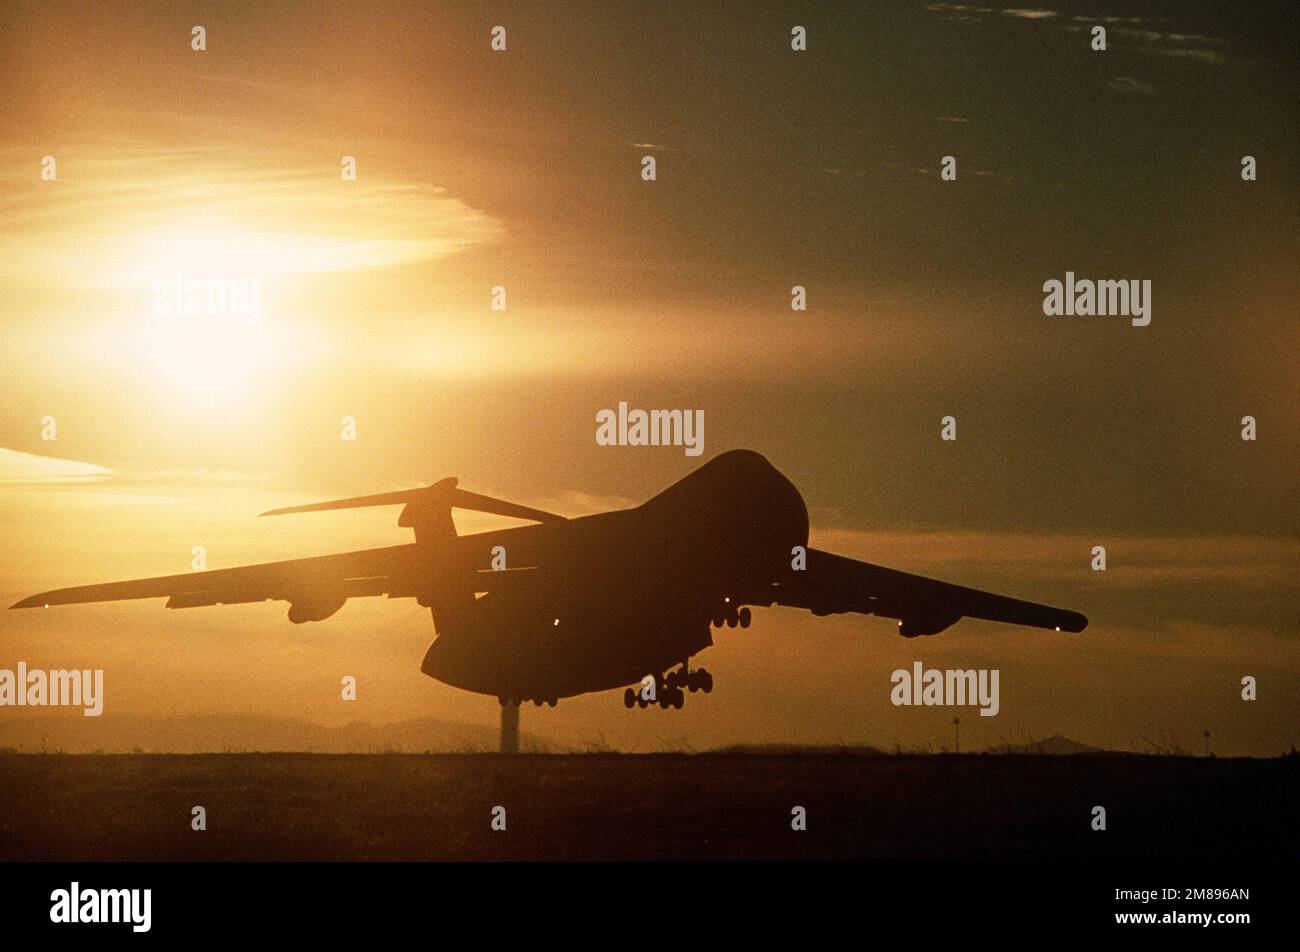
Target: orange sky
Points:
(521, 169)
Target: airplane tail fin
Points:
(428, 512)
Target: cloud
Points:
(30, 469)
(1127, 84)
(1083, 19)
(1206, 56)
(1184, 45)
(1124, 29)
(1253, 562)
(121, 222)
(188, 476)
(1019, 13)
(1028, 14)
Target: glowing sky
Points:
(477, 169)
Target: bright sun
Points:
(207, 359)
(208, 333)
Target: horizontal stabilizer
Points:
(443, 493)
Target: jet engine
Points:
(315, 609)
(914, 625)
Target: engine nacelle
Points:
(915, 625)
(316, 609)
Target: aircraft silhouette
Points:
(593, 603)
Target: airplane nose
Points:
(435, 661)
(790, 512)
(463, 661)
(445, 662)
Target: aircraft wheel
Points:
(629, 698)
(552, 701)
(732, 620)
(679, 699)
(745, 617)
(641, 702)
(537, 702)
(716, 621)
(706, 681)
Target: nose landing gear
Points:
(509, 726)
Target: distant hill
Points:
(246, 733)
(788, 750)
(1056, 744)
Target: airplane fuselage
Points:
(604, 600)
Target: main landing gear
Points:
(731, 616)
(670, 689)
(510, 719)
(538, 701)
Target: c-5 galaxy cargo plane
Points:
(570, 606)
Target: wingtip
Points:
(285, 510)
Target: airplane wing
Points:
(923, 606)
(316, 587)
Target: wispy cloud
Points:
(18, 468)
(1024, 14)
(1133, 561)
(968, 12)
(1123, 30)
(1197, 46)
(1206, 56)
(112, 222)
(1127, 84)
